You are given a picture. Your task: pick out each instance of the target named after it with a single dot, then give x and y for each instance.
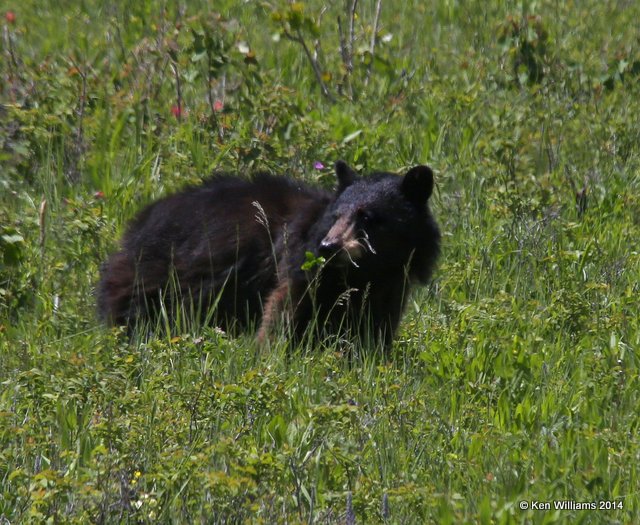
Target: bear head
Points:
(380, 223)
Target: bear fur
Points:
(240, 246)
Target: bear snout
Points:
(340, 246)
(328, 247)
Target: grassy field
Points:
(513, 383)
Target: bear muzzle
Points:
(341, 245)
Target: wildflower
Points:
(10, 17)
(318, 165)
(177, 111)
(218, 105)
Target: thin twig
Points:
(174, 67)
(348, 55)
(9, 44)
(374, 39)
(120, 42)
(12, 62)
(352, 31)
(313, 61)
(81, 103)
(344, 53)
(317, 44)
(78, 147)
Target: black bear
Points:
(238, 247)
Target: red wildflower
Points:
(177, 111)
(10, 17)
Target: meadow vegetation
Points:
(514, 377)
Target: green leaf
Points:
(351, 136)
(311, 261)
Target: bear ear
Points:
(417, 184)
(346, 176)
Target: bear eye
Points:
(366, 216)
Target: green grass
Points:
(514, 377)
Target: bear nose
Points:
(328, 247)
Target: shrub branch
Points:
(298, 38)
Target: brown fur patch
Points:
(275, 305)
